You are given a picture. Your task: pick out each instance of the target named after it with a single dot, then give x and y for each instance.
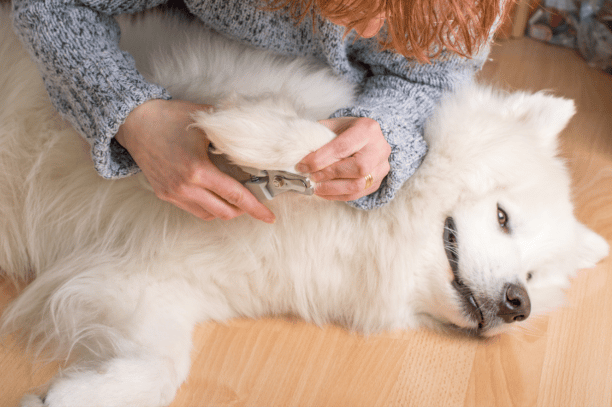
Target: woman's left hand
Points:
(353, 164)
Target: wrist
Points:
(134, 120)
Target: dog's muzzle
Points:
(513, 305)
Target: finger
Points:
(236, 196)
(345, 188)
(358, 165)
(344, 145)
(187, 198)
(193, 209)
(210, 202)
(351, 189)
(192, 196)
(348, 197)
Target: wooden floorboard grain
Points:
(560, 360)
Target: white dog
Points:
(479, 239)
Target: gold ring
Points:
(369, 181)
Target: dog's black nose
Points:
(515, 305)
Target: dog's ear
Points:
(589, 248)
(546, 114)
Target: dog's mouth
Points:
(451, 247)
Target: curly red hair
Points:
(418, 29)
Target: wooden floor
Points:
(564, 359)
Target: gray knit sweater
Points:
(95, 85)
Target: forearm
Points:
(91, 82)
(401, 96)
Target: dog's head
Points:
(509, 242)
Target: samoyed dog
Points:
(481, 239)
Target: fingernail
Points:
(302, 168)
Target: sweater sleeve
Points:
(401, 94)
(91, 82)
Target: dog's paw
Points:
(30, 400)
(264, 133)
(118, 382)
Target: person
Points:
(403, 54)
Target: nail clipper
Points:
(264, 184)
(267, 184)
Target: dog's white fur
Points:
(121, 278)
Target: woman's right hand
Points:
(174, 158)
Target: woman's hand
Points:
(353, 164)
(174, 158)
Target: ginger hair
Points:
(419, 29)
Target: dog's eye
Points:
(502, 219)
(529, 276)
